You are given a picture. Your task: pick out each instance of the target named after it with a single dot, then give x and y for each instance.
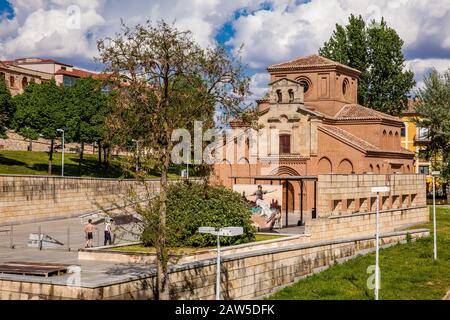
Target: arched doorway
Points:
(291, 196)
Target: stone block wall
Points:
(35, 198)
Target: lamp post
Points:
(434, 174)
(137, 154)
(62, 160)
(378, 190)
(224, 232)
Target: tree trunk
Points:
(80, 161)
(99, 153)
(50, 157)
(30, 145)
(161, 248)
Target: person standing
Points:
(108, 238)
(89, 231)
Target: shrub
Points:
(191, 205)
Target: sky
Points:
(271, 31)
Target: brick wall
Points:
(36, 198)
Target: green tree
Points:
(7, 107)
(86, 109)
(375, 50)
(40, 111)
(166, 81)
(433, 106)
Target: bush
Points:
(192, 205)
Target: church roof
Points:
(309, 62)
(358, 112)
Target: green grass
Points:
(185, 250)
(408, 272)
(36, 163)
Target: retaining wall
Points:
(244, 275)
(35, 198)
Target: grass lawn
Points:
(408, 272)
(185, 250)
(36, 163)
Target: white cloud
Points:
(289, 30)
(421, 67)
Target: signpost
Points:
(224, 232)
(434, 174)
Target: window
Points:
(63, 68)
(2, 76)
(345, 86)
(424, 170)
(291, 95)
(12, 81)
(422, 133)
(279, 96)
(285, 144)
(24, 83)
(403, 131)
(305, 83)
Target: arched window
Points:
(285, 144)
(403, 130)
(279, 96)
(12, 81)
(371, 168)
(384, 141)
(2, 76)
(305, 83)
(291, 95)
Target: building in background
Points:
(17, 78)
(415, 139)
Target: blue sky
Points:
(271, 30)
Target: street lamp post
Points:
(434, 174)
(137, 154)
(378, 190)
(62, 160)
(224, 232)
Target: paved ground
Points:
(93, 273)
(68, 231)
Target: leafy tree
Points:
(7, 107)
(375, 50)
(86, 109)
(166, 81)
(433, 105)
(189, 207)
(40, 111)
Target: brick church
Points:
(312, 102)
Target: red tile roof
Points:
(358, 112)
(309, 62)
(356, 141)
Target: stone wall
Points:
(346, 206)
(15, 142)
(247, 275)
(35, 198)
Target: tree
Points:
(7, 107)
(86, 109)
(166, 81)
(40, 111)
(433, 106)
(375, 50)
